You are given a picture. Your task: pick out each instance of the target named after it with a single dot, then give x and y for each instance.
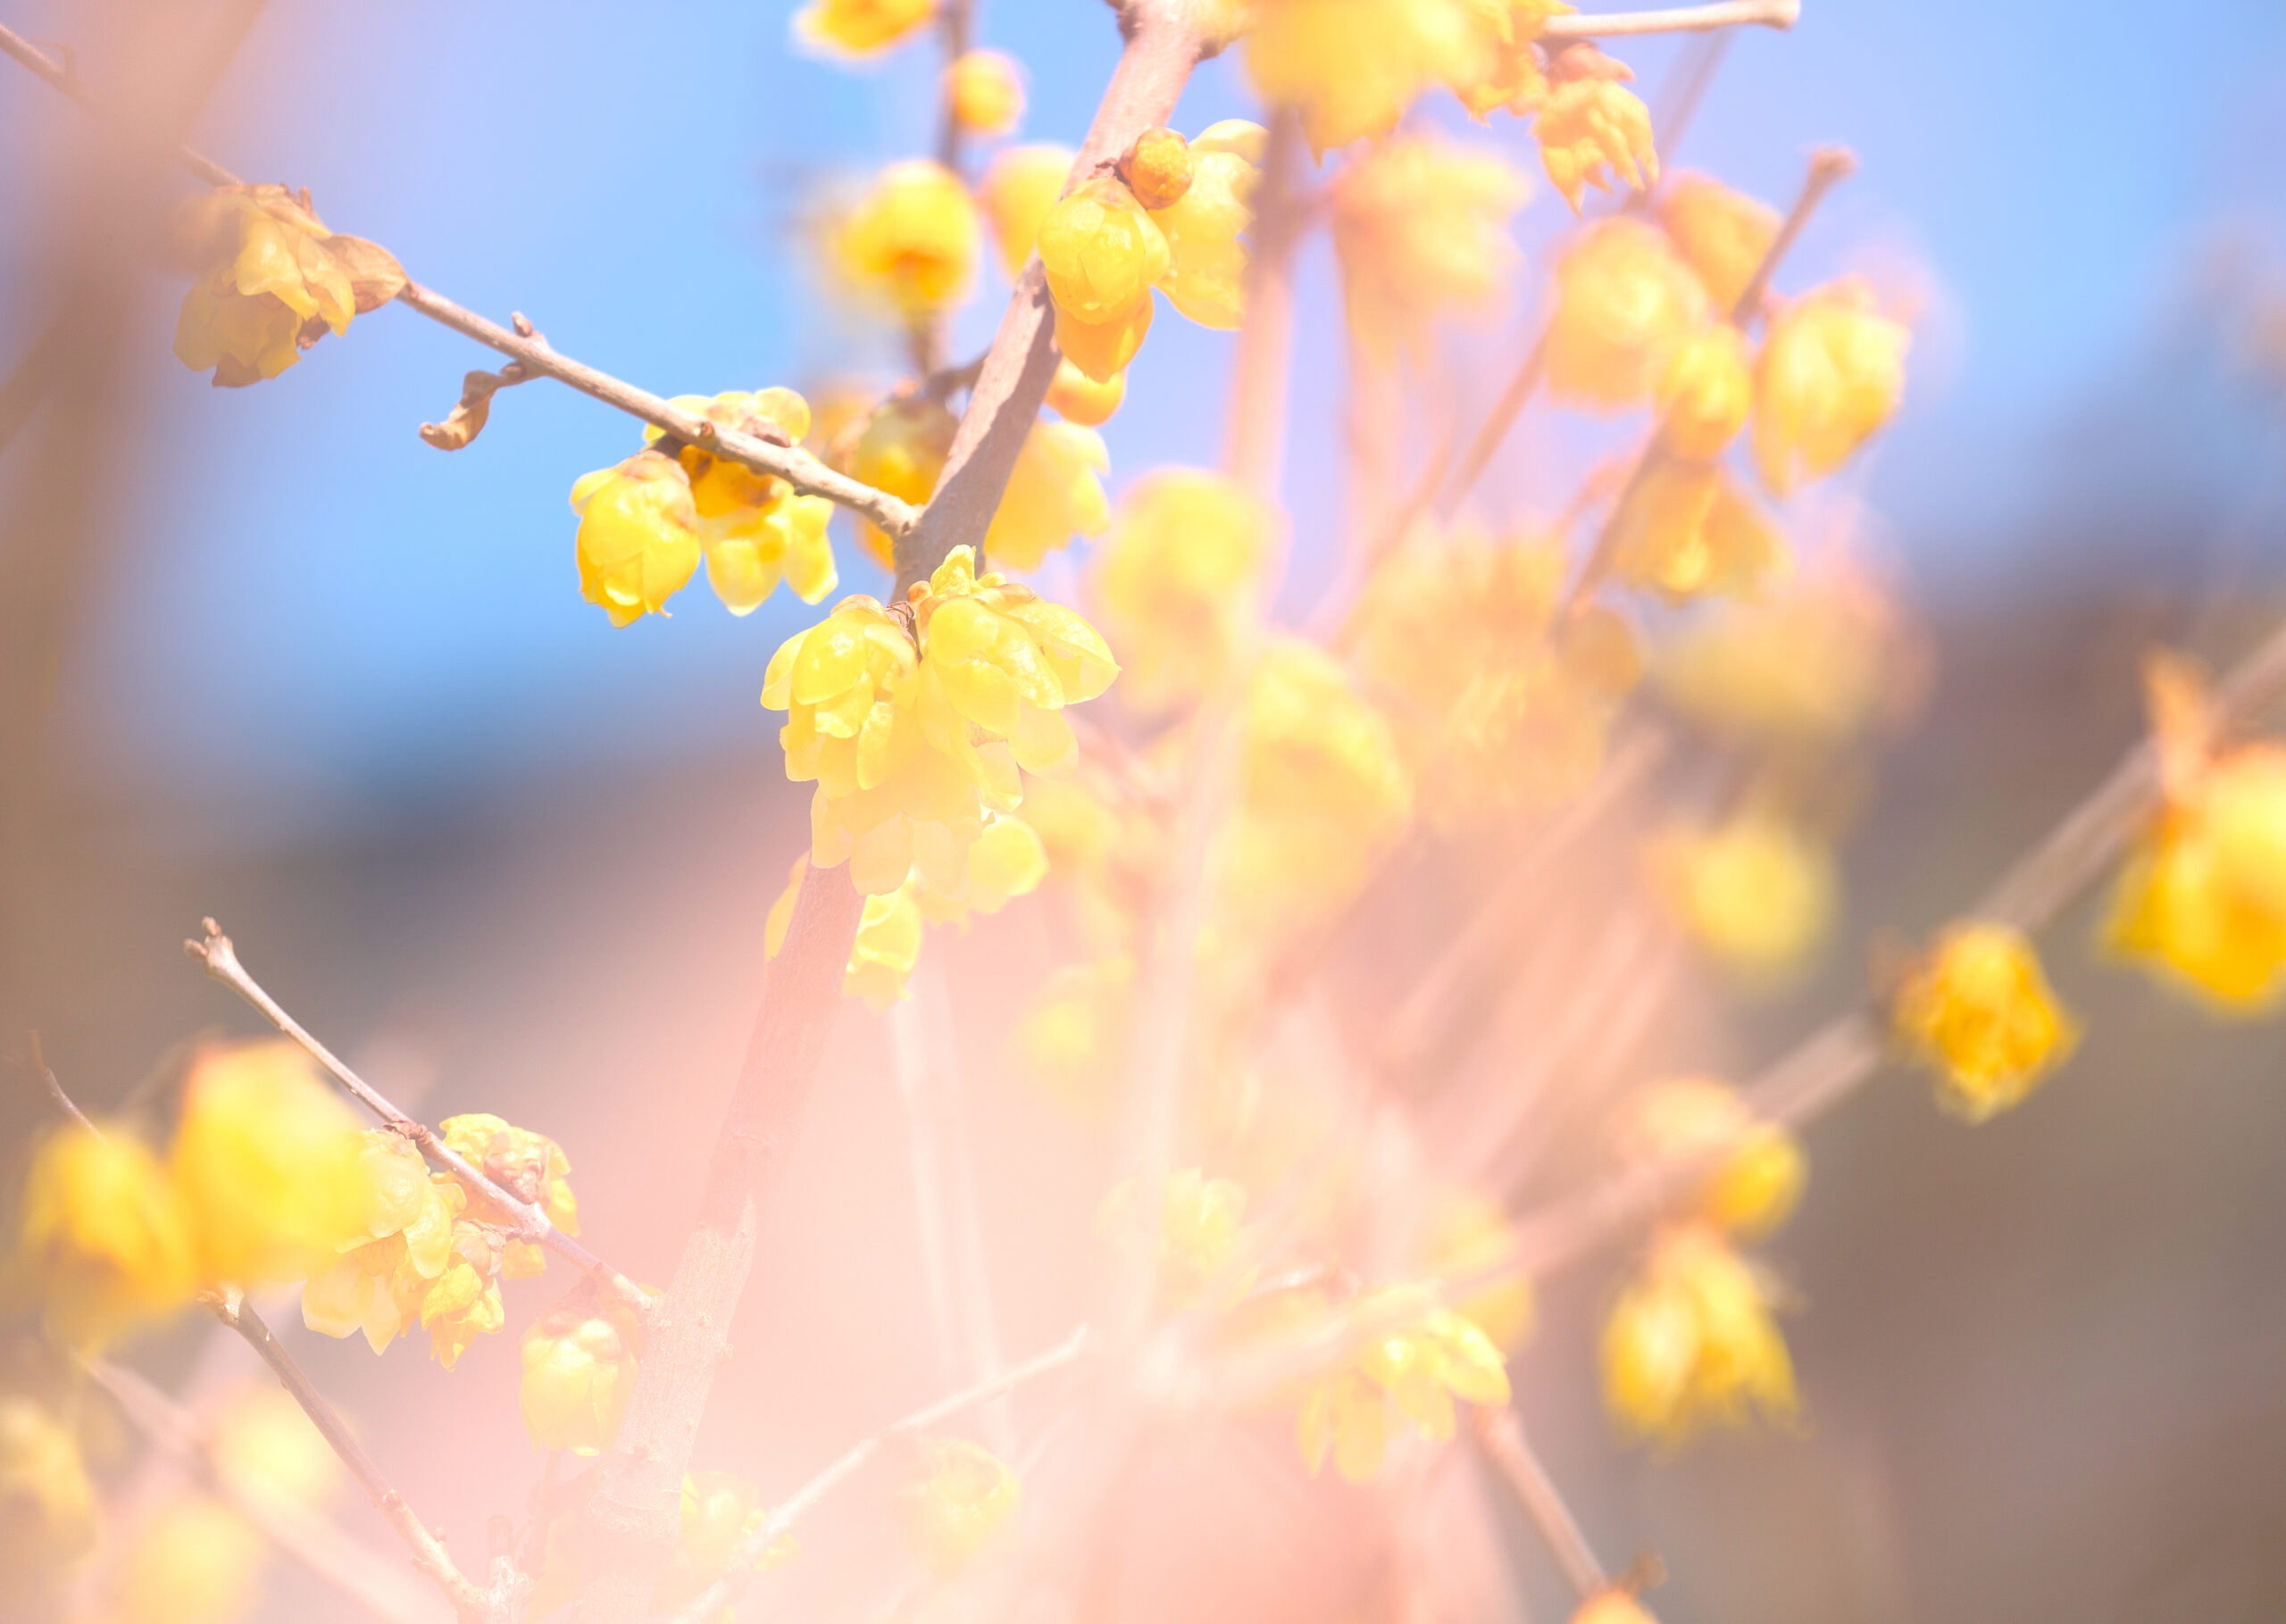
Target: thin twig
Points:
(318, 1545)
(726, 1590)
(792, 465)
(62, 1101)
(1502, 1435)
(220, 959)
(1678, 20)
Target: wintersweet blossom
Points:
(1593, 130)
(1069, 1039)
(192, 1561)
(268, 1161)
(1612, 1606)
(1518, 77)
(1624, 301)
(638, 541)
(1759, 1169)
(1466, 1231)
(464, 1303)
(263, 1445)
(1156, 167)
(529, 1166)
(54, 1518)
(966, 1495)
(755, 530)
(398, 1244)
(1691, 1340)
(1054, 492)
(1833, 371)
(1352, 67)
(579, 1370)
(1175, 582)
(1200, 1219)
(1018, 189)
(1704, 391)
(1815, 664)
(886, 946)
(1205, 222)
(912, 240)
(1421, 228)
(271, 282)
(1417, 1370)
(899, 447)
(859, 28)
(103, 1242)
(1081, 399)
(1687, 530)
(1723, 235)
(1979, 1011)
(1102, 251)
(986, 92)
(1756, 893)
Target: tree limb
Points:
(1677, 20)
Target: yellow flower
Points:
(579, 1370)
(1103, 350)
(1724, 234)
(194, 1561)
(1054, 494)
(1102, 252)
(1686, 530)
(639, 538)
(1199, 1221)
(756, 531)
(986, 91)
(102, 1240)
(1352, 67)
(1757, 1181)
(1811, 666)
(1592, 129)
(857, 28)
(264, 1446)
(1008, 861)
(1420, 1369)
(1176, 581)
(464, 1303)
(1466, 1233)
(386, 1260)
(1612, 1606)
(1420, 227)
(1624, 302)
(2204, 896)
(1755, 893)
(1206, 260)
(1155, 167)
(1081, 399)
(1018, 190)
(720, 1513)
(1979, 1011)
(268, 1160)
(1705, 392)
(1517, 78)
(901, 449)
(887, 948)
(1071, 1036)
(1833, 371)
(531, 1167)
(911, 239)
(967, 1496)
(1008, 662)
(1691, 1340)
(53, 1518)
(271, 281)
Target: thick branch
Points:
(1501, 1437)
(221, 959)
(1676, 20)
(796, 467)
(725, 1590)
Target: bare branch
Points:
(62, 1101)
(726, 1590)
(1677, 20)
(1502, 1435)
(214, 951)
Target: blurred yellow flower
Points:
(1704, 391)
(1624, 300)
(1811, 666)
(579, 1370)
(1080, 398)
(194, 1561)
(968, 1494)
(264, 1445)
(386, 1260)
(900, 447)
(1071, 1038)
(639, 538)
(986, 92)
(1176, 578)
(269, 1164)
(1755, 893)
(1691, 1340)
(464, 1303)
(271, 282)
(912, 240)
(858, 27)
(53, 1518)
(1198, 1223)
(1352, 67)
(1756, 1183)
(1206, 259)
(1687, 530)
(1018, 189)
(102, 1239)
(1833, 371)
(1980, 1012)
(1008, 861)
(1723, 234)
(1466, 1233)
(1613, 1606)
(1517, 78)
(1054, 492)
(720, 1513)
(755, 530)
(1592, 129)
(1421, 228)
(1419, 1368)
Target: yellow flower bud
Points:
(900, 449)
(1705, 392)
(755, 530)
(911, 239)
(579, 1371)
(1757, 1181)
(1176, 581)
(857, 28)
(1053, 493)
(1755, 894)
(1833, 371)
(1017, 192)
(638, 535)
(1691, 1341)
(1081, 399)
(102, 1239)
(1612, 1607)
(268, 1162)
(1103, 350)
(1687, 532)
(986, 92)
(531, 1167)
(1419, 226)
(464, 1303)
(2204, 896)
(1593, 130)
(967, 1496)
(1102, 253)
(1206, 260)
(271, 281)
(1723, 234)
(53, 1517)
(1624, 302)
(192, 1561)
(1980, 1012)
(719, 1512)
(1156, 167)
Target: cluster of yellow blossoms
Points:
(1412, 1372)
(271, 282)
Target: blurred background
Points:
(271, 658)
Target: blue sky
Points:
(316, 618)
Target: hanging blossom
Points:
(1978, 1012)
(1691, 1341)
(271, 282)
(1420, 227)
